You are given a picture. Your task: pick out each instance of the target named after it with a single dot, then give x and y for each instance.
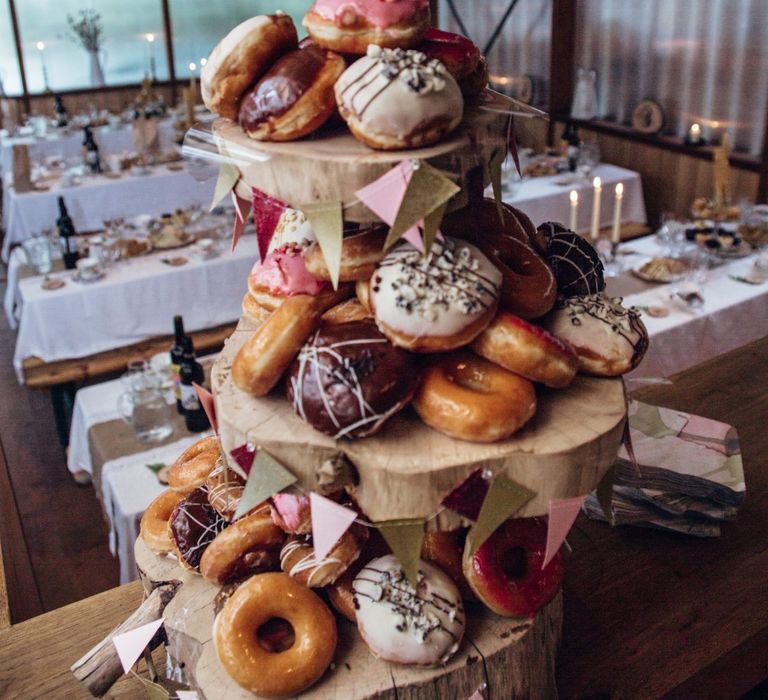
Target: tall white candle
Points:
(597, 193)
(618, 197)
(574, 196)
(41, 48)
(695, 133)
(151, 50)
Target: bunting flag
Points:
(187, 695)
(228, 177)
(405, 538)
(494, 173)
(242, 209)
(131, 644)
(266, 213)
(432, 225)
(329, 522)
(155, 691)
(512, 145)
(504, 498)
(266, 478)
(477, 695)
(244, 456)
(206, 401)
(327, 222)
(562, 514)
(467, 498)
(604, 493)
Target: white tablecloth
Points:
(542, 199)
(99, 198)
(136, 300)
(69, 145)
(734, 314)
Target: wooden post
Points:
(561, 56)
(762, 186)
(168, 29)
(19, 54)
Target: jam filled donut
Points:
(349, 379)
(194, 465)
(264, 357)
(467, 397)
(193, 525)
(294, 97)
(266, 673)
(360, 253)
(576, 265)
(393, 99)
(154, 521)
(505, 572)
(249, 545)
(349, 26)
(434, 302)
(241, 57)
(460, 56)
(298, 559)
(609, 339)
(527, 350)
(422, 626)
(292, 513)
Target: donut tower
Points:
(418, 373)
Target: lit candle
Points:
(597, 192)
(192, 84)
(619, 196)
(151, 48)
(694, 135)
(41, 48)
(203, 61)
(574, 209)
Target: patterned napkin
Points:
(688, 476)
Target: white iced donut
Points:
(393, 98)
(403, 624)
(436, 302)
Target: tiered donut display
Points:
(398, 394)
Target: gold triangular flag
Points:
(504, 498)
(405, 538)
(327, 222)
(431, 225)
(494, 172)
(604, 492)
(266, 478)
(427, 189)
(228, 177)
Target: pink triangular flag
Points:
(266, 213)
(130, 645)
(329, 522)
(383, 198)
(242, 209)
(477, 695)
(562, 513)
(206, 401)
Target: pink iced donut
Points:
(348, 26)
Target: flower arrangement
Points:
(88, 30)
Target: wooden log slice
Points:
(407, 468)
(510, 658)
(333, 165)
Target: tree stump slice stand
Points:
(509, 658)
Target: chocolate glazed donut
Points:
(193, 525)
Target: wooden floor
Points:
(53, 534)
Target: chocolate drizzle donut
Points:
(193, 525)
(576, 265)
(545, 233)
(349, 379)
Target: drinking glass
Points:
(143, 406)
(38, 250)
(589, 157)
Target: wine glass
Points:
(589, 157)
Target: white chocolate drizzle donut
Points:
(403, 624)
(292, 227)
(437, 294)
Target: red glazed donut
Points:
(505, 572)
(527, 350)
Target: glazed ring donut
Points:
(363, 293)
(346, 312)
(236, 636)
(294, 97)
(225, 487)
(266, 355)
(249, 545)
(360, 253)
(194, 465)
(154, 521)
(297, 557)
(444, 549)
(241, 57)
(254, 311)
(348, 27)
(467, 397)
(527, 350)
(505, 572)
(480, 219)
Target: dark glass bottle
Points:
(66, 231)
(61, 118)
(571, 141)
(191, 372)
(177, 352)
(91, 151)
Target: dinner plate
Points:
(661, 269)
(183, 239)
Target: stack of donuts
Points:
(395, 81)
(464, 332)
(278, 607)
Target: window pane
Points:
(521, 50)
(703, 61)
(124, 55)
(198, 25)
(10, 78)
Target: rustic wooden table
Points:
(648, 614)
